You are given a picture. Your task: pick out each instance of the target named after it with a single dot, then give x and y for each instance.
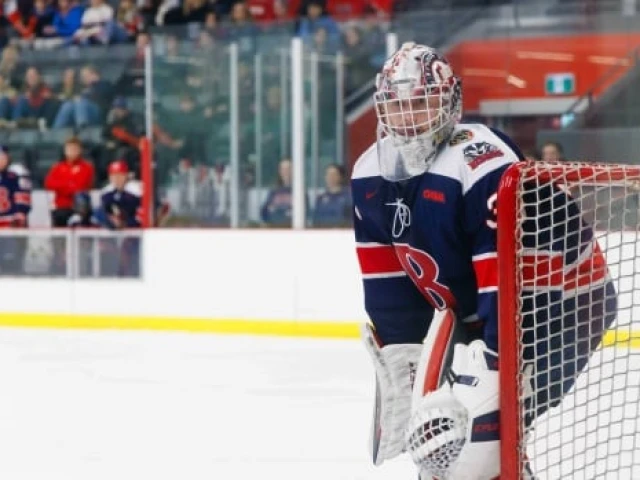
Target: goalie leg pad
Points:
(453, 433)
(395, 367)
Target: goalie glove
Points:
(395, 367)
(453, 432)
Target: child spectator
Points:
(121, 199)
(276, 210)
(333, 206)
(35, 105)
(120, 208)
(67, 19)
(71, 175)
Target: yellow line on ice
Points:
(286, 328)
(280, 328)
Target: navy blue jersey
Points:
(430, 243)
(15, 198)
(124, 204)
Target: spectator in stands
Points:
(87, 108)
(127, 17)
(66, 20)
(23, 19)
(121, 134)
(242, 29)
(121, 208)
(333, 205)
(69, 87)
(35, 107)
(71, 175)
(358, 55)
(148, 9)
(211, 25)
(7, 98)
(552, 152)
(316, 18)
(121, 199)
(97, 25)
(44, 12)
(272, 130)
(11, 66)
(276, 210)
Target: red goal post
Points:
(595, 431)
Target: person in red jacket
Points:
(71, 175)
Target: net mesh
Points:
(578, 277)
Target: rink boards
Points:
(276, 282)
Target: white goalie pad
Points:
(453, 432)
(395, 367)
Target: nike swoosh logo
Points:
(369, 195)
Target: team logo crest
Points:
(461, 137)
(478, 153)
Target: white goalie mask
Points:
(418, 103)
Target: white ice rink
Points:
(153, 406)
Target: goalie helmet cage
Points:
(594, 432)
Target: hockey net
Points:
(569, 295)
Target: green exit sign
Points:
(560, 83)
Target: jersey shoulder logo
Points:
(478, 153)
(460, 137)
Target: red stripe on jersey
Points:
(593, 270)
(486, 268)
(543, 270)
(378, 259)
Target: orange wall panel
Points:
(503, 69)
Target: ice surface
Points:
(130, 405)
(150, 406)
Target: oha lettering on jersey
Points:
(424, 271)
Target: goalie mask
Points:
(418, 103)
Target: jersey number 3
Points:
(423, 270)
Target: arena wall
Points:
(297, 283)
